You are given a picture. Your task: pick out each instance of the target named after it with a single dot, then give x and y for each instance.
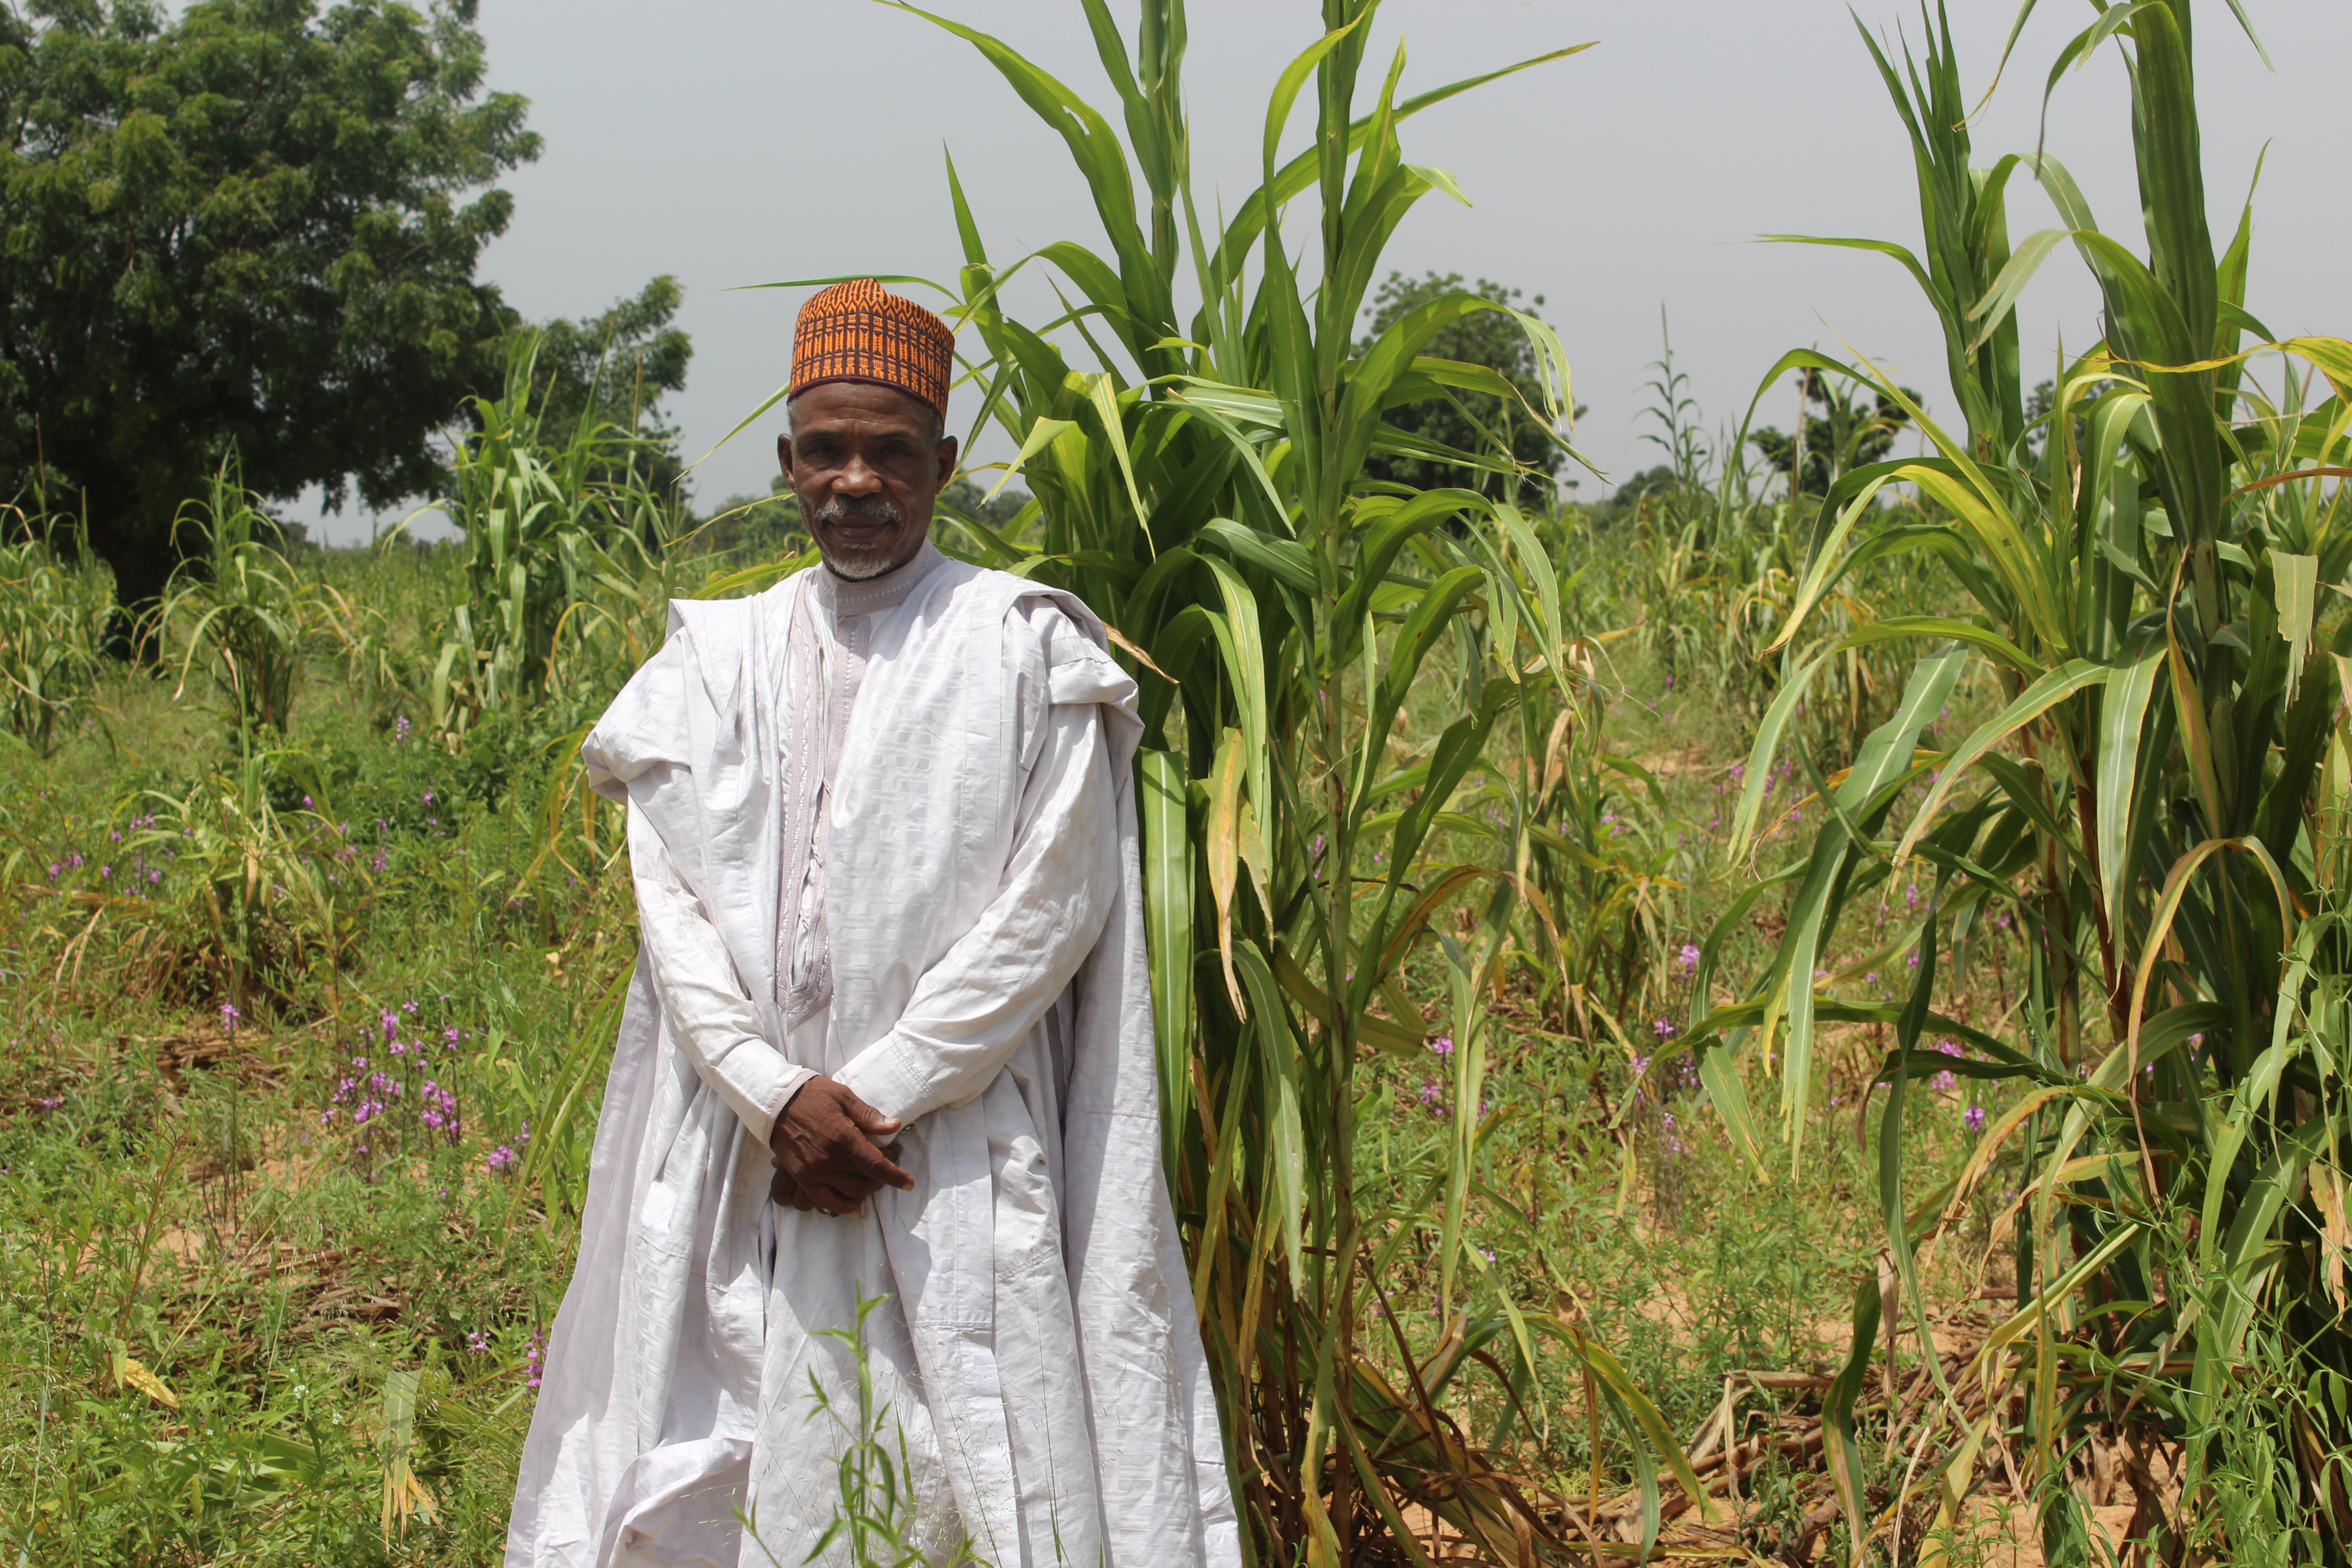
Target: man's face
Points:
(862, 460)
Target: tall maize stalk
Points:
(2158, 797)
(1202, 490)
(556, 547)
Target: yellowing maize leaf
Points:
(2296, 580)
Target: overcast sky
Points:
(741, 141)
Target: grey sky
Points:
(738, 142)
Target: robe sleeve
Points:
(702, 998)
(971, 1009)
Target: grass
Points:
(216, 1283)
(1540, 1191)
(241, 1326)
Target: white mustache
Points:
(862, 508)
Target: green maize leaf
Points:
(2082, 45)
(1731, 922)
(1637, 1416)
(2220, 1240)
(1164, 820)
(1105, 405)
(1718, 1071)
(1197, 397)
(2026, 796)
(1042, 434)
(1767, 746)
(1392, 356)
(2168, 904)
(1915, 1012)
(1843, 1448)
(1405, 1044)
(1280, 1052)
(1545, 578)
(1902, 254)
(1388, 441)
(1423, 626)
(2053, 688)
(1457, 749)
(1093, 147)
(2252, 1251)
(1287, 561)
(1848, 501)
(1885, 753)
(1941, 628)
(2122, 710)
(1992, 311)
(1438, 179)
(1295, 176)
(2172, 167)
(1285, 90)
(2158, 1037)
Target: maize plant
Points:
(242, 607)
(552, 545)
(53, 626)
(2158, 796)
(1202, 490)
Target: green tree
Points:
(613, 369)
(967, 497)
(1480, 337)
(1656, 484)
(759, 527)
(1843, 437)
(252, 226)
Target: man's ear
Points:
(784, 455)
(946, 453)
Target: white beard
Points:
(854, 565)
(862, 567)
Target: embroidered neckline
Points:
(887, 592)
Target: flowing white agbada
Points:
(919, 927)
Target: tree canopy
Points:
(613, 369)
(1481, 337)
(1846, 434)
(252, 226)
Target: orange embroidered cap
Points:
(858, 331)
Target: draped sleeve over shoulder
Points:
(680, 746)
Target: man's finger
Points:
(870, 1122)
(872, 1164)
(833, 1196)
(850, 1187)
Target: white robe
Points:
(956, 933)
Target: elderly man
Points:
(889, 1037)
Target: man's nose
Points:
(857, 477)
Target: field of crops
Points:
(1796, 1015)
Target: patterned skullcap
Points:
(856, 331)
